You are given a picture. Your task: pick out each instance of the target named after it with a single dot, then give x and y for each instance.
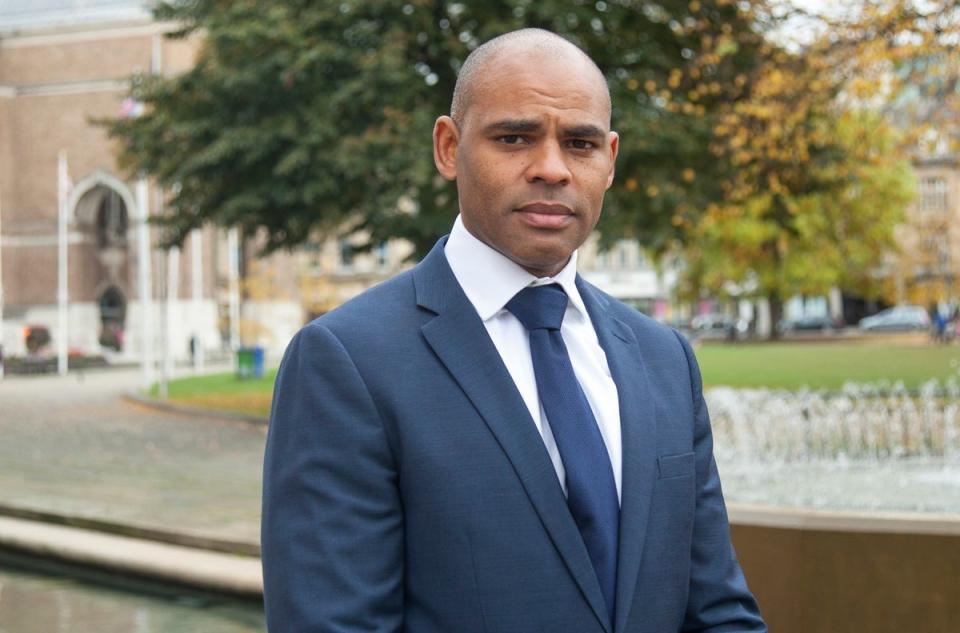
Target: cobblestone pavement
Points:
(70, 445)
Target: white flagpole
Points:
(196, 282)
(173, 307)
(62, 294)
(233, 258)
(146, 303)
(1, 284)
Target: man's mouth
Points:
(546, 215)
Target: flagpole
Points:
(146, 304)
(196, 287)
(233, 276)
(172, 308)
(1, 284)
(62, 294)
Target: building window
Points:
(933, 195)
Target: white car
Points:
(897, 319)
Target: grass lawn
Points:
(782, 365)
(823, 365)
(224, 391)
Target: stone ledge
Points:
(132, 530)
(827, 520)
(217, 571)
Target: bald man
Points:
(487, 443)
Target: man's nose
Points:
(549, 164)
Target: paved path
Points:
(72, 446)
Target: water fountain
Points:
(845, 505)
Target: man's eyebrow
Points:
(514, 126)
(584, 131)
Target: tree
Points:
(302, 118)
(821, 148)
(807, 227)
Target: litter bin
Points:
(250, 362)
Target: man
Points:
(487, 442)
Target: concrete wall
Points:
(861, 574)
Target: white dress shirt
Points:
(490, 280)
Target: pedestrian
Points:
(488, 442)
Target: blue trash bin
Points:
(258, 362)
(249, 362)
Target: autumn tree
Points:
(821, 148)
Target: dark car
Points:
(808, 324)
(717, 326)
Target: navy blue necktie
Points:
(591, 489)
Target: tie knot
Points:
(539, 307)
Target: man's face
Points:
(532, 158)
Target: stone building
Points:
(63, 65)
(927, 270)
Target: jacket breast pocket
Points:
(680, 465)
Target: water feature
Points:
(72, 601)
(865, 447)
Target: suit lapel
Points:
(638, 438)
(458, 337)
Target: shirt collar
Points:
(476, 265)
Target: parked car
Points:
(807, 324)
(903, 318)
(717, 326)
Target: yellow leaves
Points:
(633, 84)
(694, 6)
(676, 76)
(631, 184)
(773, 183)
(653, 191)
(650, 86)
(783, 244)
(688, 175)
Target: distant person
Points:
(938, 323)
(488, 442)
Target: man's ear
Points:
(446, 139)
(614, 148)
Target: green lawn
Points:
(224, 391)
(783, 365)
(823, 365)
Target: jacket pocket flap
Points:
(675, 465)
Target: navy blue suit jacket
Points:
(406, 487)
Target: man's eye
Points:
(511, 139)
(579, 143)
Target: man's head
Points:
(528, 142)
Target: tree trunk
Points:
(776, 312)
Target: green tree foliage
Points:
(315, 117)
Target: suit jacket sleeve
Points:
(719, 599)
(332, 528)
